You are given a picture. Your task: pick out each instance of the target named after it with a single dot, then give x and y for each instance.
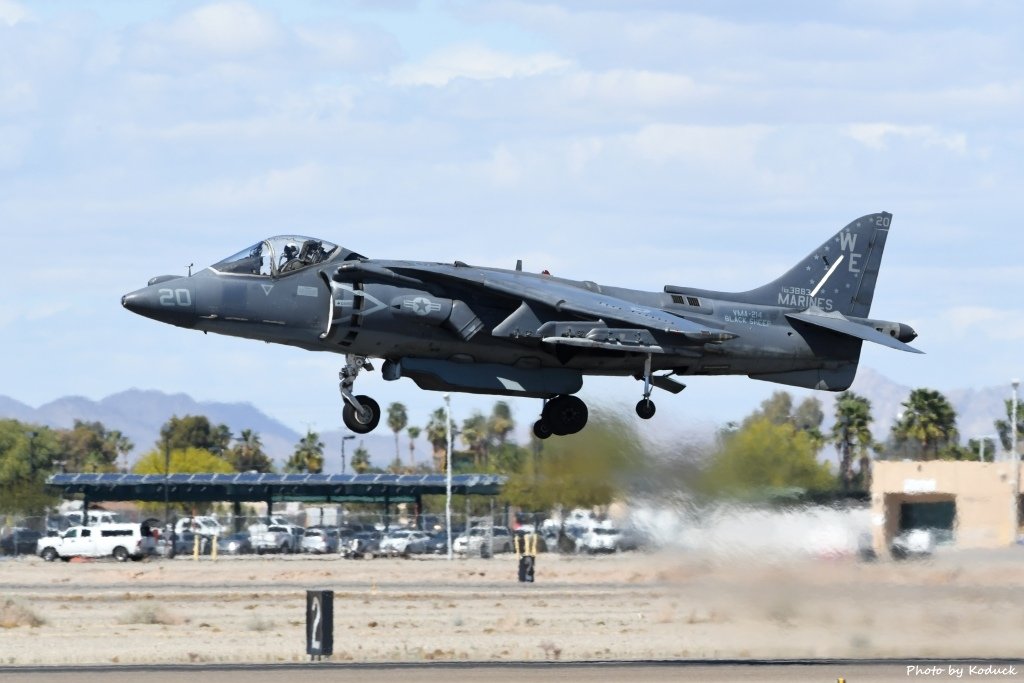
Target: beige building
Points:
(971, 504)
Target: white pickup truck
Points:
(271, 538)
(120, 541)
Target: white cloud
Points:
(877, 135)
(720, 147)
(475, 62)
(232, 29)
(632, 88)
(12, 13)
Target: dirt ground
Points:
(664, 605)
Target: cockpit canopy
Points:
(277, 256)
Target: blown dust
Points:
(663, 605)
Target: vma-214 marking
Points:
(456, 327)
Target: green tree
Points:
(592, 467)
(437, 435)
(500, 424)
(763, 456)
(1005, 427)
(808, 417)
(308, 455)
(475, 437)
(777, 409)
(928, 422)
(91, 447)
(851, 435)
(27, 454)
(188, 460)
(398, 418)
(413, 433)
(194, 431)
(361, 460)
(246, 455)
(982, 449)
(183, 461)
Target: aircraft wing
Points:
(842, 325)
(563, 297)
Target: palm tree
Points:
(929, 420)
(1005, 427)
(397, 420)
(247, 453)
(475, 436)
(852, 433)
(501, 423)
(308, 455)
(437, 435)
(414, 433)
(360, 460)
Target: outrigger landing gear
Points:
(645, 407)
(361, 414)
(561, 415)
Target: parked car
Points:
(121, 541)
(297, 532)
(320, 540)
(19, 541)
(437, 544)
(913, 543)
(476, 543)
(204, 526)
(600, 539)
(74, 518)
(364, 544)
(404, 542)
(185, 544)
(235, 544)
(271, 539)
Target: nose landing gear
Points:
(361, 413)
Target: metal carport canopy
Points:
(256, 487)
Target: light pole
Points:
(448, 474)
(343, 440)
(1016, 459)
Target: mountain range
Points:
(139, 414)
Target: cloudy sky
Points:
(641, 143)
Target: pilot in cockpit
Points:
(291, 252)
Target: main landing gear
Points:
(361, 414)
(561, 415)
(645, 407)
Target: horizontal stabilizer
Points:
(842, 325)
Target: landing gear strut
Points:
(361, 414)
(645, 407)
(561, 415)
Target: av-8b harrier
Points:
(456, 327)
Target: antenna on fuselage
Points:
(519, 264)
(190, 269)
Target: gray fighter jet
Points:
(457, 327)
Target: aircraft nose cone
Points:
(174, 305)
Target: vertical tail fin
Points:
(839, 275)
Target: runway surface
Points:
(850, 671)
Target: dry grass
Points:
(14, 614)
(149, 615)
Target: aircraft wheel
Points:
(565, 415)
(541, 430)
(645, 408)
(352, 419)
